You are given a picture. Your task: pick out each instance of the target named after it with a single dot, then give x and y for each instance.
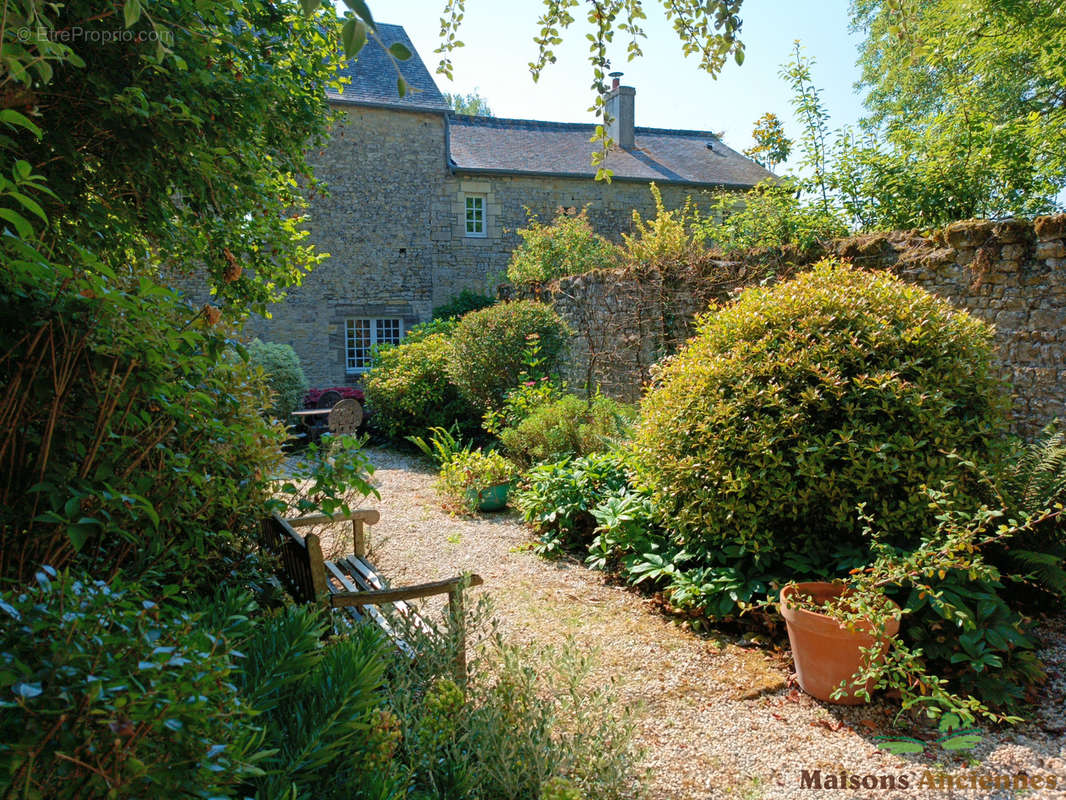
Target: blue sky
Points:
(671, 91)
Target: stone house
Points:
(425, 203)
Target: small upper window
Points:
(475, 215)
(361, 335)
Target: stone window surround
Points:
(467, 187)
(474, 215)
(377, 335)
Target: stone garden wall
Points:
(1011, 274)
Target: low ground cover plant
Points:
(566, 733)
(558, 498)
(464, 476)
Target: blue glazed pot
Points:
(493, 498)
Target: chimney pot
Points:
(620, 103)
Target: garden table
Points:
(313, 421)
(343, 417)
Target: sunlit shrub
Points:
(568, 246)
(489, 349)
(796, 403)
(569, 426)
(408, 389)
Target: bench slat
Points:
(371, 611)
(369, 579)
(368, 515)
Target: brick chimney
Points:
(620, 109)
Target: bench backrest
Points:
(303, 567)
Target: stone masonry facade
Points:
(394, 227)
(1011, 274)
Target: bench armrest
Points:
(380, 596)
(368, 515)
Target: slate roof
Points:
(491, 145)
(373, 76)
(520, 146)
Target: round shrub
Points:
(489, 348)
(796, 403)
(569, 426)
(408, 389)
(286, 378)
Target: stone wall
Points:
(384, 170)
(393, 225)
(1011, 274)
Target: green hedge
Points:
(283, 373)
(462, 304)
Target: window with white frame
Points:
(475, 215)
(363, 334)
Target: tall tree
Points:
(969, 100)
(181, 131)
(472, 103)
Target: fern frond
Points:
(1044, 568)
(1038, 480)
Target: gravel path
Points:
(716, 719)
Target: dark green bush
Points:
(1032, 482)
(568, 246)
(284, 376)
(150, 454)
(796, 403)
(462, 304)
(105, 693)
(968, 633)
(489, 349)
(569, 426)
(316, 703)
(408, 389)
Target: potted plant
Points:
(833, 640)
(478, 481)
(857, 615)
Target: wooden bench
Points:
(352, 584)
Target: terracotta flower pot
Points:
(826, 653)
